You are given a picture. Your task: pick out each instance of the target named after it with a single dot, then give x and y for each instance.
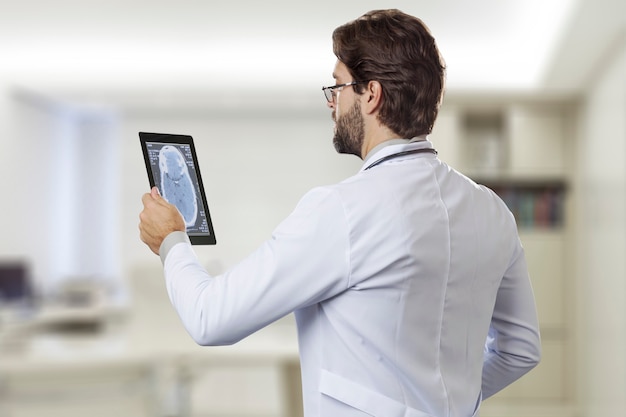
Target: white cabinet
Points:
(536, 141)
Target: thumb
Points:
(154, 192)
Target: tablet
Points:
(173, 168)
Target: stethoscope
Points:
(399, 154)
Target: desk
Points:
(146, 371)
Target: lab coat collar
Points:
(392, 146)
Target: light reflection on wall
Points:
(71, 160)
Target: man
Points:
(408, 280)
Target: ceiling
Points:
(541, 46)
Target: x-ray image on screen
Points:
(175, 176)
(176, 183)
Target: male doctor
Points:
(408, 280)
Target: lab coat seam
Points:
(445, 292)
(478, 248)
(401, 306)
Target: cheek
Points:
(337, 106)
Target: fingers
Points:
(146, 199)
(149, 239)
(158, 219)
(146, 232)
(153, 197)
(154, 194)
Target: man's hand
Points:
(158, 219)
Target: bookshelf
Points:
(535, 204)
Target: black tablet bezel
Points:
(174, 139)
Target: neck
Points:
(375, 138)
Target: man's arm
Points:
(305, 261)
(513, 346)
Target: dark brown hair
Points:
(399, 52)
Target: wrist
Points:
(170, 241)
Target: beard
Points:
(350, 131)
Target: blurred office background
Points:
(535, 108)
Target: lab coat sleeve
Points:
(513, 345)
(305, 261)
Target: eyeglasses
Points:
(330, 94)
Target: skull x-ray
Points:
(176, 177)
(176, 184)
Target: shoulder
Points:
(320, 198)
(320, 206)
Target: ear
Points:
(372, 97)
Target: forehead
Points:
(340, 72)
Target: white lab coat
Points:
(409, 286)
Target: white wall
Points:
(60, 185)
(74, 177)
(601, 223)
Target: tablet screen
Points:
(173, 168)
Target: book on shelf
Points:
(534, 206)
